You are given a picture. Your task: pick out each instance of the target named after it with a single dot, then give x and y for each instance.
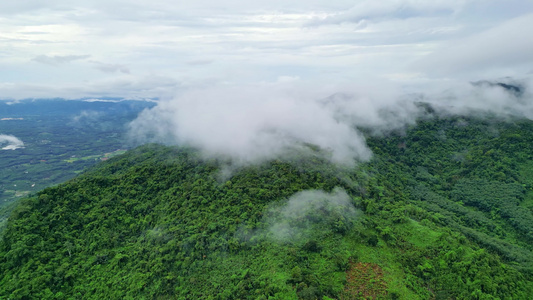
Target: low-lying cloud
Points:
(302, 213)
(265, 121)
(505, 97)
(87, 115)
(250, 124)
(9, 142)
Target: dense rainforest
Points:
(444, 210)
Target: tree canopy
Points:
(442, 211)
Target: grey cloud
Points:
(34, 32)
(405, 9)
(134, 87)
(124, 86)
(110, 68)
(199, 62)
(18, 7)
(500, 48)
(58, 59)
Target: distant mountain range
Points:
(62, 107)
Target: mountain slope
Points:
(442, 211)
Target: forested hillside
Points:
(444, 210)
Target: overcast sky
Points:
(157, 48)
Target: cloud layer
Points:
(504, 48)
(201, 43)
(259, 122)
(251, 80)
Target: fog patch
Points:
(87, 116)
(503, 98)
(9, 142)
(309, 213)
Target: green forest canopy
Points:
(443, 210)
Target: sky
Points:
(161, 48)
(255, 80)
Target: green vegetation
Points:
(443, 211)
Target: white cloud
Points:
(10, 142)
(252, 123)
(258, 122)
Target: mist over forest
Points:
(260, 122)
(266, 150)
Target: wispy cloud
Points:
(123, 86)
(58, 59)
(10, 142)
(110, 68)
(501, 48)
(308, 213)
(199, 62)
(387, 9)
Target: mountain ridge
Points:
(160, 222)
